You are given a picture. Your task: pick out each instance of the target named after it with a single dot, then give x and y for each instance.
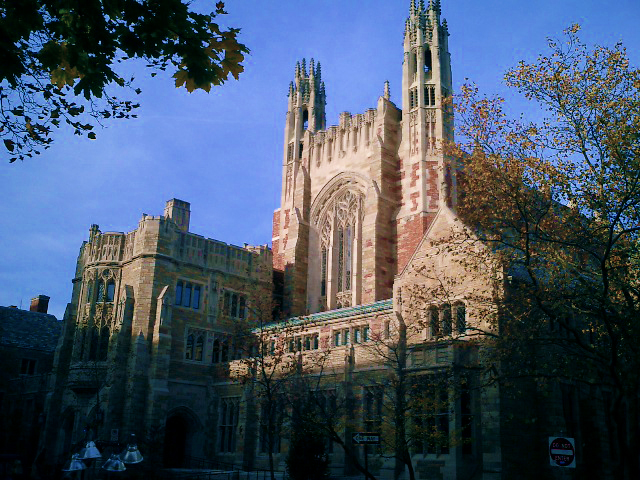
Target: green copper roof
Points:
(334, 314)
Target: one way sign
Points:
(366, 438)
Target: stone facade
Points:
(358, 197)
(149, 329)
(150, 336)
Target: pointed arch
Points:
(335, 249)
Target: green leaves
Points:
(55, 52)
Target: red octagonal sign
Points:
(562, 452)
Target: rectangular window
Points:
(316, 342)
(323, 282)
(186, 295)
(336, 339)
(467, 418)
(196, 297)
(356, 335)
(347, 278)
(243, 304)
(365, 333)
(28, 367)
(431, 420)
(235, 305)
(345, 337)
(446, 319)
(229, 409)
(270, 426)
(340, 259)
(461, 319)
(307, 342)
(372, 407)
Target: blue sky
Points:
(222, 151)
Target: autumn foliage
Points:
(557, 199)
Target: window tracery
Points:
(339, 222)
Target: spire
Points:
(412, 8)
(304, 67)
(318, 72)
(436, 6)
(387, 91)
(311, 68)
(297, 69)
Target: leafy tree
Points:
(307, 458)
(58, 61)
(558, 202)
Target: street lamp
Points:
(90, 451)
(75, 464)
(131, 454)
(114, 464)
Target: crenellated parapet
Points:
(353, 132)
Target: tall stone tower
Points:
(427, 177)
(357, 197)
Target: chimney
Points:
(39, 304)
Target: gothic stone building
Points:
(148, 343)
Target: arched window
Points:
(111, 290)
(446, 320)
(188, 353)
(434, 323)
(104, 343)
(89, 292)
(93, 350)
(305, 119)
(336, 264)
(199, 348)
(461, 318)
(100, 291)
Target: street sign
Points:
(366, 438)
(562, 452)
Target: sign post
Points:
(562, 452)
(366, 439)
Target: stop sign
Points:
(562, 452)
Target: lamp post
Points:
(74, 465)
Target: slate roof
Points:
(25, 329)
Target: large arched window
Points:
(339, 246)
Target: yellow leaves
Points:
(573, 29)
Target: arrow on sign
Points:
(365, 438)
